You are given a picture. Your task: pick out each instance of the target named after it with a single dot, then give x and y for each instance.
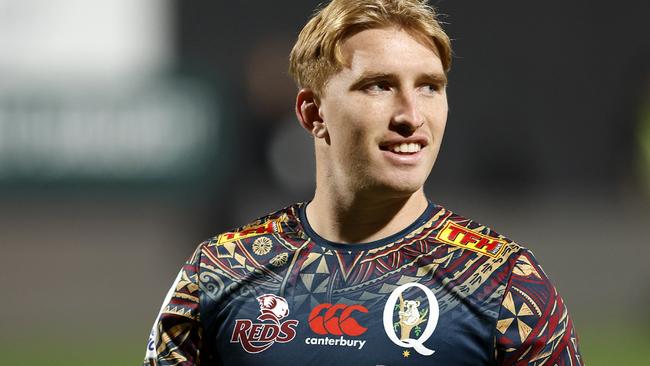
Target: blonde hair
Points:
(316, 56)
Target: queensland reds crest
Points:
(257, 337)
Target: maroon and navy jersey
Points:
(445, 290)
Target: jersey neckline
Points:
(353, 247)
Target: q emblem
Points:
(410, 318)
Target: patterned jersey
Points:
(445, 290)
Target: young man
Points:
(369, 271)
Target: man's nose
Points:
(407, 116)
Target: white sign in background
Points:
(80, 39)
(85, 92)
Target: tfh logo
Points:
(257, 337)
(463, 237)
(331, 323)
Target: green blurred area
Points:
(605, 345)
(114, 351)
(615, 344)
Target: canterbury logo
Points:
(326, 319)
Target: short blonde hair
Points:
(316, 56)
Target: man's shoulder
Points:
(284, 220)
(459, 231)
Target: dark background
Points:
(547, 142)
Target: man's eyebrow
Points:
(437, 78)
(372, 76)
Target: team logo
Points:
(411, 317)
(337, 320)
(324, 319)
(257, 337)
(463, 237)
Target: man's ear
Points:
(308, 113)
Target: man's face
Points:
(385, 114)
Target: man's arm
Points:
(534, 326)
(176, 334)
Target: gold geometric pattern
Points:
(431, 267)
(322, 266)
(524, 268)
(180, 311)
(185, 281)
(524, 310)
(229, 250)
(311, 257)
(307, 279)
(524, 330)
(509, 304)
(240, 259)
(504, 324)
(280, 259)
(262, 246)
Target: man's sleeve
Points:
(176, 334)
(534, 327)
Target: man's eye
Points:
(430, 88)
(378, 86)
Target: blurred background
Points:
(131, 130)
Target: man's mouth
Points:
(403, 148)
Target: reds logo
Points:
(257, 337)
(330, 323)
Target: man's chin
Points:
(399, 187)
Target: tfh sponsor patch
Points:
(466, 238)
(268, 227)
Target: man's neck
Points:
(362, 218)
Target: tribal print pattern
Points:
(534, 327)
(516, 313)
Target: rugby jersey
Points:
(445, 290)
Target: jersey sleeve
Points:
(534, 327)
(176, 334)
